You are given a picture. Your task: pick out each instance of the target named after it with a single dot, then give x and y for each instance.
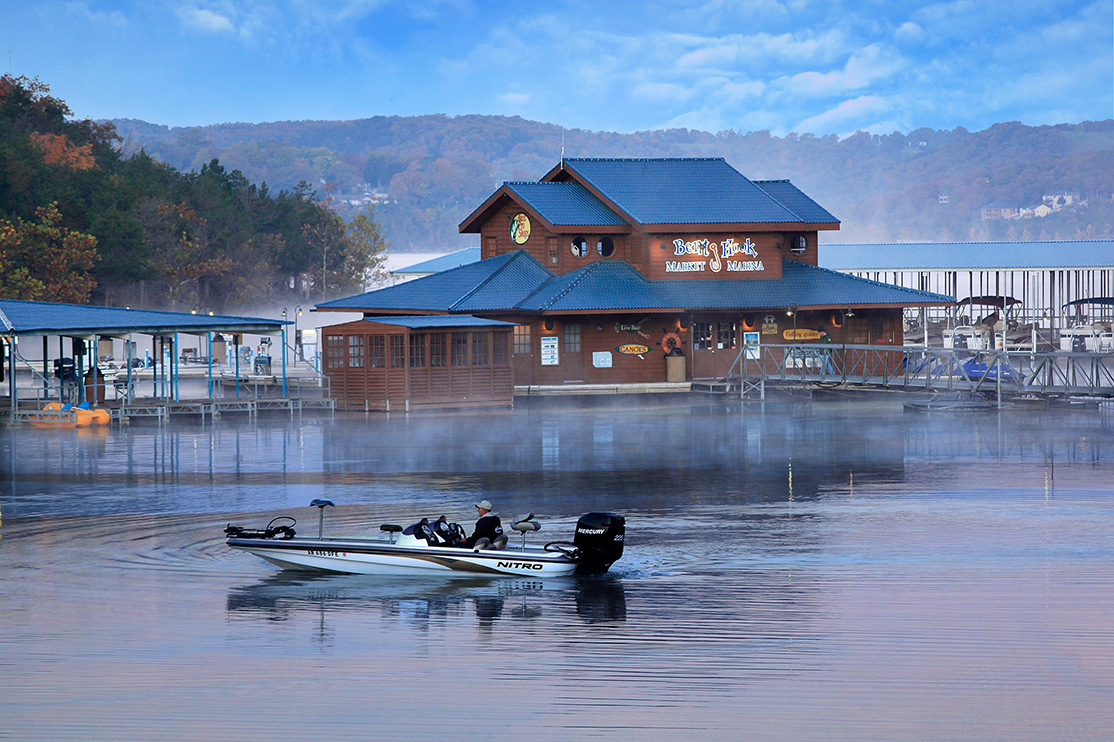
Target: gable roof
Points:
(620, 192)
(484, 284)
(441, 262)
(516, 282)
(689, 191)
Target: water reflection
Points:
(419, 601)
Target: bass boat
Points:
(425, 548)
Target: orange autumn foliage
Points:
(58, 150)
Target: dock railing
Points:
(999, 372)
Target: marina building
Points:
(631, 271)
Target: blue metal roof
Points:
(615, 286)
(686, 191)
(422, 322)
(517, 281)
(794, 199)
(443, 262)
(47, 318)
(565, 203)
(488, 284)
(1022, 255)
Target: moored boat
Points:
(420, 548)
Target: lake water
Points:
(823, 571)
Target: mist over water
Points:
(822, 571)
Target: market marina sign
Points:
(714, 257)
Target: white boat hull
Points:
(379, 557)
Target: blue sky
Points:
(825, 67)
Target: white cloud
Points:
(909, 33)
(850, 114)
(514, 99)
(203, 19)
(659, 91)
(865, 66)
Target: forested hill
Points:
(429, 172)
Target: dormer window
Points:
(798, 244)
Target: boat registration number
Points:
(322, 552)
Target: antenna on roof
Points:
(562, 146)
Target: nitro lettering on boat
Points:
(519, 565)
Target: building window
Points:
(725, 336)
(605, 247)
(579, 247)
(499, 348)
(521, 339)
(797, 244)
(702, 336)
(437, 350)
(479, 348)
(398, 351)
(334, 351)
(551, 243)
(417, 351)
(460, 349)
(572, 338)
(375, 346)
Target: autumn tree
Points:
(180, 256)
(44, 261)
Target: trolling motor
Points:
(320, 504)
(278, 528)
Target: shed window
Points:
(334, 351)
(355, 351)
(499, 348)
(398, 351)
(437, 350)
(417, 351)
(480, 344)
(376, 352)
(460, 349)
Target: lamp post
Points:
(284, 344)
(297, 335)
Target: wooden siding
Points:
(408, 373)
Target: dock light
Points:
(789, 312)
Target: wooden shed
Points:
(402, 363)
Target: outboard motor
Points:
(599, 538)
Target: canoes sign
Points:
(633, 349)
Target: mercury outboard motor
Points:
(599, 538)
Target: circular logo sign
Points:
(520, 228)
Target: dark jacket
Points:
(488, 526)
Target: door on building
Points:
(522, 357)
(572, 357)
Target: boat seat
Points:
(390, 528)
(500, 542)
(524, 526)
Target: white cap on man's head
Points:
(484, 505)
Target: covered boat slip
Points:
(1048, 285)
(134, 363)
(404, 363)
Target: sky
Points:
(822, 67)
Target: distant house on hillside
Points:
(999, 210)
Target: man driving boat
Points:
(489, 528)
